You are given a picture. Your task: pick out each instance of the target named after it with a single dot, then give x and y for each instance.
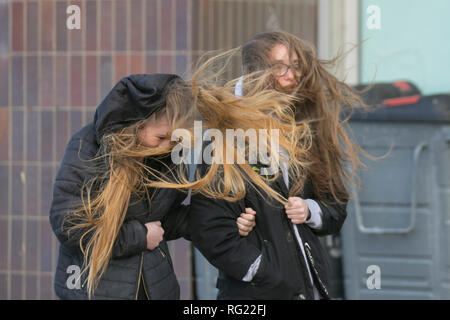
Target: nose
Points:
(289, 75)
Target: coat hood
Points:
(132, 99)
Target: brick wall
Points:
(52, 78)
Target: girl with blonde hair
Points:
(111, 218)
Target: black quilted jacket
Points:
(132, 99)
(282, 272)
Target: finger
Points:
(250, 211)
(293, 212)
(248, 216)
(296, 210)
(244, 222)
(243, 234)
(291, 200)
(295, 200)
(297, 216)
(242, 231)
(243, 228)
(292, 203)
(298, 221)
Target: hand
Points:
(246, 222)
(297, 210)
(154, 234)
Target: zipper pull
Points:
(308, 251)
(162, 252)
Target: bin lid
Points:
(377, 92)
(433, 108)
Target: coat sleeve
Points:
(333, 216)
(75, 169)
(131, 240)
(175, 223)
(213, 230)
(73, 172)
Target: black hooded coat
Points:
(133, 267)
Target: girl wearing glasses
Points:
(282, 258)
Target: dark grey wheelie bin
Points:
(396, 239)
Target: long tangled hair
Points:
(321, 98)
(119, 172)
(124, 173)
(263, 111)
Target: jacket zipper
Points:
(145, 287)
(306, 281)
(311, 260)
(162, 252)
(164, 255)
(141, 276)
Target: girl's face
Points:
(155, 132)
(286, 67)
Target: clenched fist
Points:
(154, 234)
(246, 222)
(297, 210)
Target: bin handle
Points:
(447, 139)
(377, 230)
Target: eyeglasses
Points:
(280, 69)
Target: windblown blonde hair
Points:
(105, 199)
(261, 108)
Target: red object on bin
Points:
(402, 85)
(394, 102)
